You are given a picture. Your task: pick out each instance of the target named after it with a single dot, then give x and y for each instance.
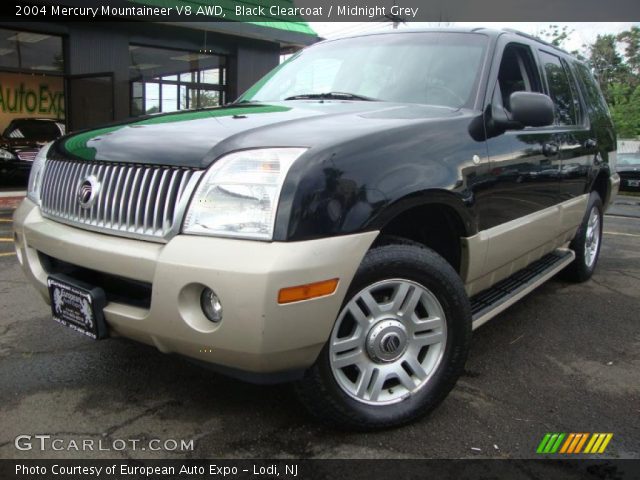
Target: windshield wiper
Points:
(331, 96)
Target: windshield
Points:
(435, 68)
(33, 130)
(629, 158)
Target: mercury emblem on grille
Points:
(88, 191)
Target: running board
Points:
(491, 302)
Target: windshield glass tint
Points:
(432, 68)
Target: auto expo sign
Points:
(30, 96)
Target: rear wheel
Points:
(586, 244)
(398, 345)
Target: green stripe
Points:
(555, 448)
(550, 443)
(544, 441)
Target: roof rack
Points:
(535, 39)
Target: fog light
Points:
(211, 305)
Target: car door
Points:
(572, 135)
(524, 164)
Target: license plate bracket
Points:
(78, 305)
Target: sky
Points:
(583, 33)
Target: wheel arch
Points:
(437, 219)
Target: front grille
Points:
(140, 201)
(27, 155)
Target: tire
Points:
(394, 274)
(581, 269)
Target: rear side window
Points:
(559, 80)
(596, 103)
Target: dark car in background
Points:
(629, 171)
(21, 141)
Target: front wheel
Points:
(398, 345)
(586, 244)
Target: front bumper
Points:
(257, 335)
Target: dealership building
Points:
(91, 73)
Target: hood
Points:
(197, 138)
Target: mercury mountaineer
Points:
(344, 225)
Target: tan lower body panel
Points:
(495, 254)
(256, 334)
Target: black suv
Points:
(345, 224)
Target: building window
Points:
(30, 52)
(164, 80)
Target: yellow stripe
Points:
(596, 445)
(5, 220)
(567, 442)
(7, 254)
(591, 442)
(607, 439)
(6, 239)
(584, 439)
(574, 443)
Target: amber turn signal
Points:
(307, 292)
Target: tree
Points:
(556, 35)
(607, 63)
(631, 41)
(625, 110)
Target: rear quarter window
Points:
(596, 104)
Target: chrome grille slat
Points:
(148, 204)
(169, 201)
(67, 195)
(131, 201)
(134, 200)
(159, 202)
(122, 214)
(115, 200)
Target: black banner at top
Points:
(322, 10)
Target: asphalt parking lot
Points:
(565, 359)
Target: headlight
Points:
(6, 154)
(238, 195)
(37, 173)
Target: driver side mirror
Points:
(531, 109)
(527, 109)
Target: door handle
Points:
(590, 143)
(550, 149)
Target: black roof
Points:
(491, 32)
